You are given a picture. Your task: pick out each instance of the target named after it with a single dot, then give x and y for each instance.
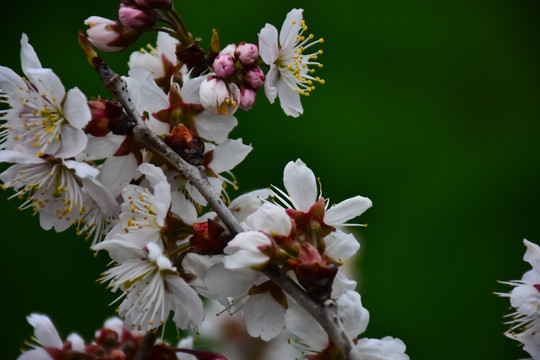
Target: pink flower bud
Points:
(254, 77)
(219, 98)
(247, 53)
(247, 98)
(134, 18)
(224, 66)
(108, 35)
(155, 4)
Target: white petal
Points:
(117, 171)
(73, 141)
(532, 255)
(340, 245)
(303, 325)
(101, 147)
(189, 308)
(48, 221)
(81, 169)
(268, 44)
(9, 81)
(29, 58)
(247, 204)
(190, 90)
(35, 354)
(166, 45)
(181, 206)
(214, 127)
(120, 250)
(289, 99)
(346, 210)
(44, 331)
(301, 185)
(227, 283)
(354, 316)
(102, 196)
(290, 28)
(271, 219)
(13, 156)
(270, 83)
(264, 316)
(77, 342)
(342, 284)
(76, 109)
(47, 84)
(228, 154)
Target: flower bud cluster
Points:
(234, 81)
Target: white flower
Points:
(289, 75)
(151, 287)
(43, 118)
(143, 212)
(52, 186)
(157, 59)
(525, 298)
(301, 186)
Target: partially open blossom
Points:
(135, 18)
(108, 35)
(247, 53)
(218, 97)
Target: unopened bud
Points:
(155, 4)
(99, 125)
(224, 66)
(108, 35)
(254, 77)
(247, 53)
(247, 98)
(135, 18)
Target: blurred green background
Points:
(430, 108)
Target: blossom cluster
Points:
(77, 163)
(525, 299)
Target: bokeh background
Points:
(430, 108)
